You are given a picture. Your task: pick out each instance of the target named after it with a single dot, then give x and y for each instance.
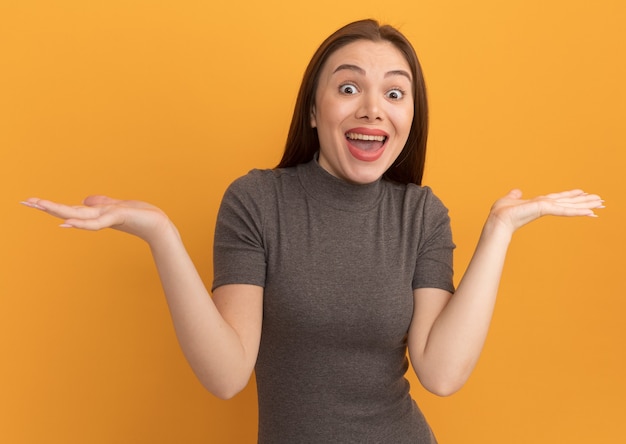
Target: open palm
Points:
(515, 212)
(97, 212)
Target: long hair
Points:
(302, 140)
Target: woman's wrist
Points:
(163, 233)
(495, 228)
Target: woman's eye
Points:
(395, 94)
(348, 89)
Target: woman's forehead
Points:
(366, 53)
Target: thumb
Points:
(92, 201)
(514, 194)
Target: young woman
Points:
(331, 266)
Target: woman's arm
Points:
(219, 337)
(448, 332)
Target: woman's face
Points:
(363, 110)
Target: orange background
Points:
(170, 101)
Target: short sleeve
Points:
(238, 248)
(434, 264)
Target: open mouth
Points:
(366, 147)
(366, 142)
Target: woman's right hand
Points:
(97, 212)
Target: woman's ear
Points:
(313, 121)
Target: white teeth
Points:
(357, 136)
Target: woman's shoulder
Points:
(418, 194)
(261, 185)
(257, 178)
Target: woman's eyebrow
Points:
(355, 68)
(398, 72)
(359, 70)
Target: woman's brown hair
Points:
(302, 141)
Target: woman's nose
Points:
(369, 108)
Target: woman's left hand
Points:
(514, 212)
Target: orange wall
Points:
(169, 101)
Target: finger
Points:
(32, 202)
(566, 194)
(573, 212)
(587, 200)
(40, 204)
(566, 209)
(62, 211)
(106, 220)
(586, 204)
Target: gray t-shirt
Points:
(338, 263)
